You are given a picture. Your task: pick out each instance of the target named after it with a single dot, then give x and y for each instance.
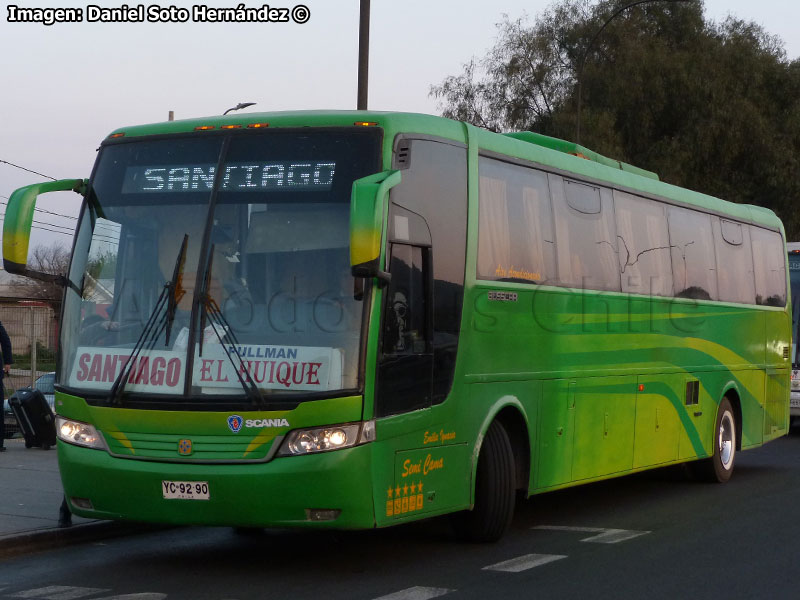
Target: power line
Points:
(49, 212)
(70, 229)
(28, 170)
(51, 230)
(101, 238)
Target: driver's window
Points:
(405, 323)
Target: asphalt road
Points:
(654, 535)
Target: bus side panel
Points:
(429, 480)
(778, 384)
(605, 414)
(748, 384)
(659, 414)
(556, 434)
(697, 422)
(776, 405)
(751, 390)
(421, 464)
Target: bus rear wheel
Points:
(495, 490)
(719, 467)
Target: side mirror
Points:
(367, 205)
(18, 221)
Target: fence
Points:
(33, 329)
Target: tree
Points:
(53, 260)
(709, 106)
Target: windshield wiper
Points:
(175, 285)
(209, 310)
(170, 296)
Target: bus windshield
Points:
(262, 294)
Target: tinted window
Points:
(734, 262)
(515, 239)
(643, 244)
(694, 265)
(770, 267)
(434, 186)
(404, 325)
(585, 240)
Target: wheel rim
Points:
(726, 440)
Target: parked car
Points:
(45, 384)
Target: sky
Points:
(65, 87)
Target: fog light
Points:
(82, 503)
(322, 514)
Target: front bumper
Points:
(278, 493)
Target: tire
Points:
(719, 467)
(495, 491)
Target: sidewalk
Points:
(30, 496)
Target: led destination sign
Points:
(240, 177)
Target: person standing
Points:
(7, 359)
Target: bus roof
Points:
(548, 151)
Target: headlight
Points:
(80, 434)
(325, 439)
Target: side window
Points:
(404, 326)
(405, 367)
(770, 267)
(434, 189)
(586, 241)
(515, 227)
(694, 264)
(643, 245)
(735, 279)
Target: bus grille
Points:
(173, 448)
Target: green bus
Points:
(359, 319)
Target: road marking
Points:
(523, 563)
(139, 596)
(417, 593)
(604, 535)
(59, 592)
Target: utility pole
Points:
(33, 345)
(363, 56)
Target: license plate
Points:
(185, 490)
(794, 403)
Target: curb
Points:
(28, 542)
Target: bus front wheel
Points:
(719, 467)
(494, 490)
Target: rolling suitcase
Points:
(34, 417)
